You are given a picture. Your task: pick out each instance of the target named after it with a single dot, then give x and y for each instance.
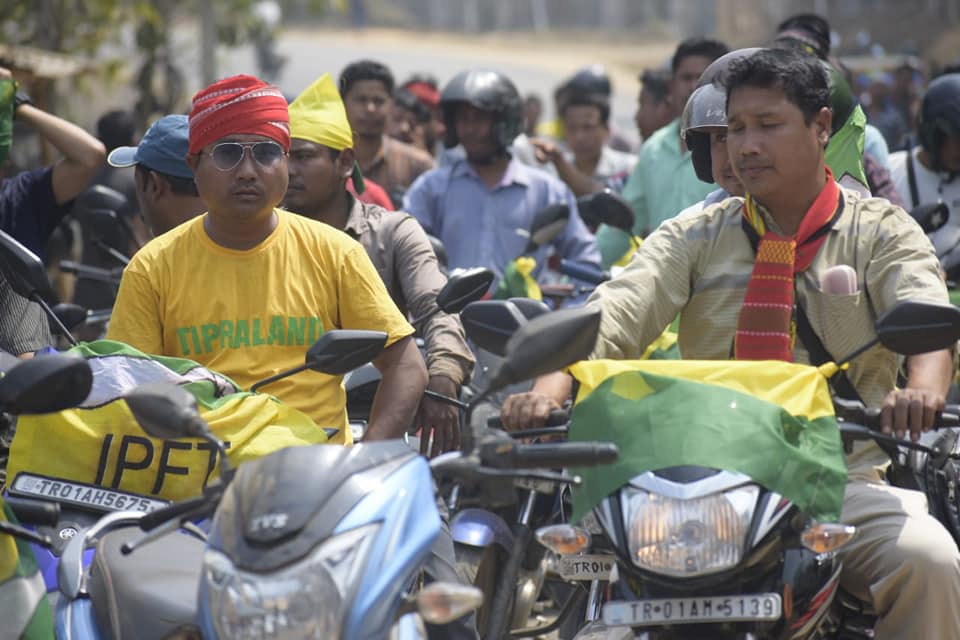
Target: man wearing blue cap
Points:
(166, 192)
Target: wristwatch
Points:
(20, 99)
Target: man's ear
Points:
(193, 160)
(823, 122)
(345, 163)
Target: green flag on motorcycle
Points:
(518, 280)
(24, 609)
(772, 421)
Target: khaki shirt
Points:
(699, 264)
(397, 164)
(400, 251)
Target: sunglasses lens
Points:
(227, 155)
(267, 154)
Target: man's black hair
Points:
(814, 30)
(180, 186)
(704, 47)
(656, 82)
(801, 77)
(596, 101)
(116, 129)
(411, 103)
(365, 70)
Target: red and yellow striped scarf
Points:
(765, 329)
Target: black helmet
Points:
(939, 115)
(707, 107)
(589, 81)
(489, 91)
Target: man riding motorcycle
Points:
(716, 267)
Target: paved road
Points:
(533, 68)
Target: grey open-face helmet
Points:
(487, 90)
(706, 108)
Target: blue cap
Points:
(163, 148)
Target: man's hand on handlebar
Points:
(913, 410)
(528, 410)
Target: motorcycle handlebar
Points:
(857, 413)
(557, 417)
(154, 519)
(583, 272)
(34, 512)
(561, 454)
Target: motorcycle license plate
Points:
(88, 496)
(639, 613)
(586, 567)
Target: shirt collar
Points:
(516, 173)
(357, 223)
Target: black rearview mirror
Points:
(343, 350)
(24, 270)
(464, 287)
(932, 216)
(490, 323)
(606, 207)
(914, 327)
(529, 307)
(548, 343)
(45, 384)
(166, 411)
(548, 223)
(70, 315)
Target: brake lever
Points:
(859, 432)
(548, 476)
(170, 526)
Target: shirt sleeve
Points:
(643, 300)
(364, 301)
(903, 265)
(418, 202)
(136, 317)
(420, 280)
(634, 194)
(30, 210)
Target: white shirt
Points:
(931, 187)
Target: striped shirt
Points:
(700, 263)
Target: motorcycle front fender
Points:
(480, 528)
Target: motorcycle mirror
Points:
(45, 384)
(69, 314)
(103, 221)
(529, 307)
(167, 411)
(931, 216)
(464, 287)
(606, 207)
(913, 327)
(24, 270)
(548, 223)
(490, 323)
(336, 352)
(548, 343)
(343, 350)
(102, 197)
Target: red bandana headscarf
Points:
(240, 104)
(765, 326)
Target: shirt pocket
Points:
(845, 322)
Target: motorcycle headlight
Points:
(302, 601)
(688, 537)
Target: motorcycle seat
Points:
(150, 593)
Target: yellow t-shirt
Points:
(251, 314)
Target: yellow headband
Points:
(318, 115)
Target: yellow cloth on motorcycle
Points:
(624, 260)
(518, 280)
(772, 421)
(24, 609)
(100, 442)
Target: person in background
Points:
(589, 164)
(532, 112)
(367, 89)
(424, 87)
(655, 109)
(410, 121)
(165, 191)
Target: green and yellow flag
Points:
(100, 443)
(24, 609)
(518, 281)
(772, 421)
(844, 153)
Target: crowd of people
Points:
(274, 218)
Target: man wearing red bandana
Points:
(801, 266)
(245, 288)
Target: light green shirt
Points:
(662, 184)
